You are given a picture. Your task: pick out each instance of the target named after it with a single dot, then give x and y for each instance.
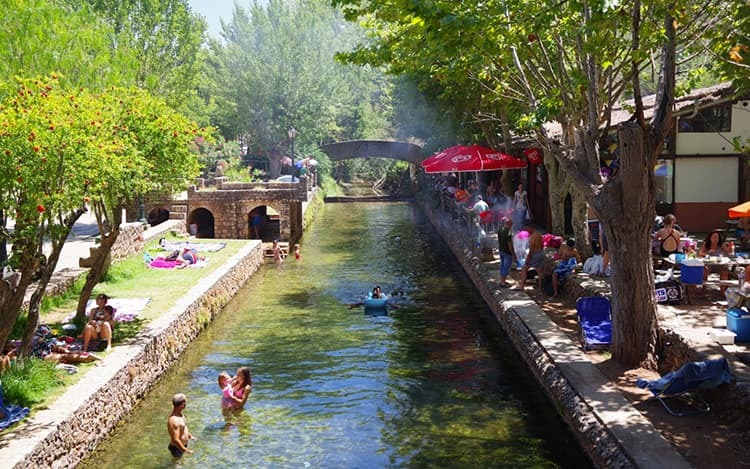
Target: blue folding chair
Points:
(687, 382)
(595, 321)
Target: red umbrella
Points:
(461, 158)
(447, 153)
(739, 211)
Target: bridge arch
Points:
(403, 151)
(201, 220)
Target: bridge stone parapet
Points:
(225, 212)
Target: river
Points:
(434, 383)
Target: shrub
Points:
(29, 381)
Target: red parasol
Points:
(460, 158)
(739, 211)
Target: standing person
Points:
(179, 435)
(520, 206)
(242, 386)
(535, 257)
(297, 254)
(507, 252)
(277, 252)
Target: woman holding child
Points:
(235, 390)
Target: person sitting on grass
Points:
(101, 323)
(46, 346)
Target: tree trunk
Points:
(32, 320)
(98, 267)
(626, 208)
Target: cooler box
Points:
(738, 321)
(691, 271)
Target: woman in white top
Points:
(520, 206)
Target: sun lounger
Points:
(9, 413)
(595, 321)
(687, 382)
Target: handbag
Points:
(11, 277)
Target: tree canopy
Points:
(520, 66)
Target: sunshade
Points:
(741, 210)
(460, 158)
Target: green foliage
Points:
(29, 381)
(41, 37)
(276, 70)
(166, 37)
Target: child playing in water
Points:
(227, 394)
(297, 254)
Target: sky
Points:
(213, 10)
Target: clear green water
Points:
(431, 384)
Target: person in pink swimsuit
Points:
(241, 387)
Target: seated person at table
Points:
(569, 259)
(715, 246)
(462, 196)
(479, 206)
(668, 238)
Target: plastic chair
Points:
(595, 321)
(686, 382)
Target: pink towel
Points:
(163, 264)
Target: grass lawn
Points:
(132, 278)
(129, 278)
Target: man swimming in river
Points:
(179, 435)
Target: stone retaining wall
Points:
(129, 371)
(594, 437)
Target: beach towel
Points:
(200, 247)
(10, 413)
(160, 263)
(125, 309)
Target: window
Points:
(710, 119)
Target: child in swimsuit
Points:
(227, 394)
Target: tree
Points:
(568, 62)
(275, 70)
(155, 152)
(166, 36)
(41, 37)
(50, 153)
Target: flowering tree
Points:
(50, 154)
(155, 151)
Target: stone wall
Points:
(131, 370)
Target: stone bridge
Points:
(236, 210)
(374, 149)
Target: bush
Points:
(29, 381)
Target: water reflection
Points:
(432, 383)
